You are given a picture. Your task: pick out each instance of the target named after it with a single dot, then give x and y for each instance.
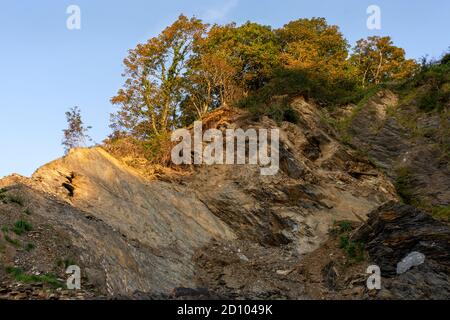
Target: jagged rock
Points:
(290, 165)
(389, 142)
(395, 230)
(139, 237)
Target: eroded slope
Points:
(226, 228)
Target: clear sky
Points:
(46, 68)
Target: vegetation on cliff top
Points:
(191, 68)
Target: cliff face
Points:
(411, 146)
(133, 234)
(226, 228)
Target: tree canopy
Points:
(154, 71)
(377, 60)
(315, 46)
(192, 68)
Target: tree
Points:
(192, 68)
(211, 83)
(150, 98)
(251, 50)
(76, 133)
(314, 46)
(377, 60)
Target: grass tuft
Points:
(21, 227)
(29, 247)
(21, 276)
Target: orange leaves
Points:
(191, 68)
(154, 74)
(377, 59)
(314, 46)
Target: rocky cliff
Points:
(225, 229)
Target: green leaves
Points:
(192, 68)
(377, 60)
(153, 90)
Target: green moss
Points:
(344, 125)
(441, 213)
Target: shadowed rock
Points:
(395, 230)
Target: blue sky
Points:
(46, 68)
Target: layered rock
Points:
(407, 144)
(395, 231)
(210, 227)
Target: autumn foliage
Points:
(192, 68)
(377, 60)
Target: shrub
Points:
(3, 196)
(445, 59)
(292, 83)
(154, 150)
(283, 112)
(354, 250)
(430, 84)
(429, 100)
